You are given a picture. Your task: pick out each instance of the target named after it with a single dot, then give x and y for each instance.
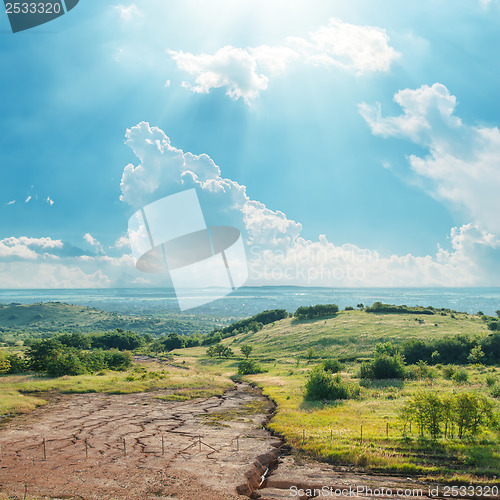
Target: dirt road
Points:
(137, 446)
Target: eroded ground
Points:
(138, 446)
(110, 446)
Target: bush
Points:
(332, 365)
(65, 363)
(325, 386)
(249, 367)
(449, 371)
(383, 367)
(17, 363)
(460, 376)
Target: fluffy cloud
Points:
(48, 263)
(244, 73)
(463, 164)
(277, 253)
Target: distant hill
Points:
(354, 334)
(52, 317)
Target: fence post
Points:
(303, 436)
(199, 442)
(361, 432)
(237, 443)
(44, 450)
(25, 490)
(387, 429)
(124, 447)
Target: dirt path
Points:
(140, 447)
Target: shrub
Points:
(460, 376)
(325, 386)
(449, 371)
(249, 367)
(332, 365)
(17, 363)
(65, 363)
(383, 367)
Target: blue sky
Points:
(320, 165)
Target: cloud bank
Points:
(277, 252)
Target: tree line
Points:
(447, 415)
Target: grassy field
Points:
(333, 431)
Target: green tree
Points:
(65, 363)
(476, 355)
(17, 363)
(246, 350)
(41, 352)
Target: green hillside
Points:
(354, 334)
(52, 317)
(369, 427)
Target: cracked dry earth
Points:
(110, 447)
(124, 446)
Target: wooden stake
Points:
(25, 490)
(361, 432)
(44, 450)
(387, 429)
(86, 449)
(199, 441)
(303, 436)
(331, 434)
(237, 443)
(124, 447)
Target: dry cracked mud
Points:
(137, 446)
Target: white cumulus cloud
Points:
(244, 73)
(463, 162)
(277, 252)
